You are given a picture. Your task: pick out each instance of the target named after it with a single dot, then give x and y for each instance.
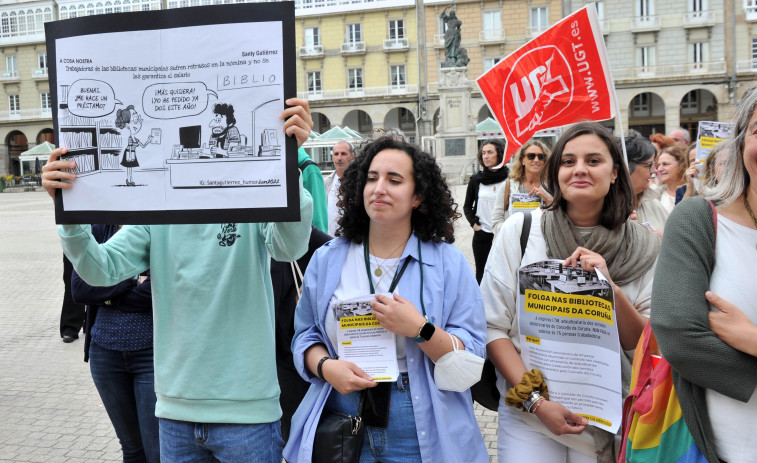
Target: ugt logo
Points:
(535, 81)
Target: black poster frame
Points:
(175, 18)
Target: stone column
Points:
(672, 116)
(456, 147)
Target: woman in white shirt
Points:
(587, 222)
(671, 166)
(480, 197)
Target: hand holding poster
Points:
(558, 78)
(568, 330)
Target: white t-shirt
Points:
(353, 282)
(668, 201)
(333, 211)
(487, 196)
(733, 422)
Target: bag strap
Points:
(308, 162)
(507, 194)
(296, 274)
(524, 232)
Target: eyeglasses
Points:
(532, 156)
(649, 164)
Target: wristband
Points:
(319, 370)
(531, 382)
(536, 406)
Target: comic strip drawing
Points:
(181, 122)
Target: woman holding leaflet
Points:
(396, 235)
(586, 225)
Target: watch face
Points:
(427, 331)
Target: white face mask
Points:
(457, 370)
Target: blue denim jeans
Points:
(125, 383)
(398, 443)
(186, 442)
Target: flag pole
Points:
(620, 126)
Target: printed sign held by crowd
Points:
(558, 78)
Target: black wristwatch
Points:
(426, 331)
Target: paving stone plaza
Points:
(49, 409)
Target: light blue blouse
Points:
(446, 425)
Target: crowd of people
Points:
(227, 359)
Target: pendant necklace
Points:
(378, 272)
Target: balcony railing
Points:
(360, 93)
(353, 47)
(749, 65)
(699, 18)
(750, 8)
(22, 114)
(491, 35)
(311, 51)
(39, 73)
(675, 71)
(396, 44)
(533, 31)
(646, 23)
(9, 76)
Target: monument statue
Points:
(454, 54)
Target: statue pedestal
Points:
(455, 139)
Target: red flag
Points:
(558, 78)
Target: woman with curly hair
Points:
(671, 167)
(396, 235)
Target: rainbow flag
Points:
(654, 430)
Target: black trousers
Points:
(482, 244)
(72, 314)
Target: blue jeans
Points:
(398, 443)
(186, 442)
(125, 383)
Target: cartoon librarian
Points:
(129, 118)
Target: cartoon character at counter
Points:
(129, 118)
(224, 132)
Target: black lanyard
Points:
(397, 275)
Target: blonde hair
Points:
(517, 172)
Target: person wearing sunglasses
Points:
(523, 191)
(648, 210)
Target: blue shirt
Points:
(446, 426)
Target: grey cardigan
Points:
(700, 360)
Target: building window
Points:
(644, 8)
(690, 102)
(10, 64)
(354, 33)
(697, 5)
(45, 102)
(538, 20)
(42, 60)
(397, 77)
(490, 62)
(600, 7)
(312, 37)
(754, 54)
(397, 29)
(698, 54)
(645, 58)
(355, 79)
(640, 104)
(492, 25)
(14, 104)
(314, 83)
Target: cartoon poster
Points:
(173, 116)
(568, 330)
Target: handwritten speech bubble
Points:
(175, 100)
(91, 98)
